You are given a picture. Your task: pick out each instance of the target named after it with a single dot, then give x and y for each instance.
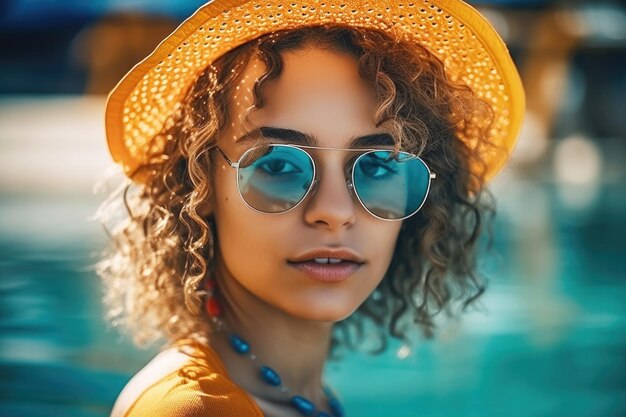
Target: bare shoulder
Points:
(162, 365)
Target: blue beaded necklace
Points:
(268, 375)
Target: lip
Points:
(339, 253)
(328, 272)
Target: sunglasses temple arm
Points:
(231, 163)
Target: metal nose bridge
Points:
(316, 183)
(329, 204)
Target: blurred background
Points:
(551, 336)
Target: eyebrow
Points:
(299, 138)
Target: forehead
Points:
(318, 93)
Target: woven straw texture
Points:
(469, 47)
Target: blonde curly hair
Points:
(163, 249)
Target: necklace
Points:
(268, 375)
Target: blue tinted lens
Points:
(274, 178)
(391, 185)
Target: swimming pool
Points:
(550, 339)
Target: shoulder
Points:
(184, 380)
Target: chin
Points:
(324, 312)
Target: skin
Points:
(285, 315)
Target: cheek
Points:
(231, 213)
(245, 236)
(385, 237)
(384, 241)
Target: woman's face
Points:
(320, 94)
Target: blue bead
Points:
(335, 407)
(270, 376)
(304, 406)
(241, 346)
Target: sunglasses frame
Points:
(349, 182)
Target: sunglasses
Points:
(276, 178)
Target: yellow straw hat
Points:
(453, 31)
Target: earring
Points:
(211, 304)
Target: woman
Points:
(300, 171)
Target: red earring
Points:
(211, 304)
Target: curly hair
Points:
(164, 249)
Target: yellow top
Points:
(199, 387)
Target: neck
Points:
(293, 347)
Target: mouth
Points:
(327, 269)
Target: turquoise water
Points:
(549, 340)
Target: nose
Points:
(330, 203)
